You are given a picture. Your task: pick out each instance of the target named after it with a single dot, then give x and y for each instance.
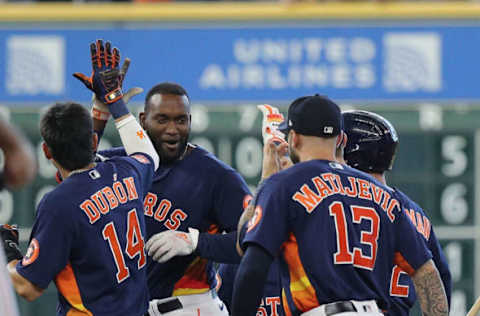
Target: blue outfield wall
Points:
(364, 62)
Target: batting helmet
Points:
(372, 141)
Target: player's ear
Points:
(345, 139)
(141, 118)
(94, 142)
(296, 139)
(46, 151)
(341, 139)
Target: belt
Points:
(339, 307)
(168, 306)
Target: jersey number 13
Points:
(359, 213)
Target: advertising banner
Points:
(369, 63)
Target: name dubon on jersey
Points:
(88, 236)
(337, 231)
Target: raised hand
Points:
(107, 79)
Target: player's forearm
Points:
(22, 286)
(441, 263)
(134, 138)
(444, 270)
(19, 167)
(218, 247)
(430, 291)
(250, 280)
(11, 138)
(446, 277)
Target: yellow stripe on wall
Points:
(198, 11)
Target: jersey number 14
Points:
(134, 247)
(359, 213)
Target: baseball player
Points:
(371, 147)
(336, 229)
(194, 197)
(88, 234)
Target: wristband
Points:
(118, 108)
(100, 115)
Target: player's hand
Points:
(100, 110)
(271, 162)
(275, 158)
(9, 236)
(168, 244)
(272, 118)
(284, 158)
(106, 79)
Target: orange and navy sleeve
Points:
(269, 225)
(51, 241)
(411, 250)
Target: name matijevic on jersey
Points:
(108, 198)
(327, 184)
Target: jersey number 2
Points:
(344, 255)
(134, 247)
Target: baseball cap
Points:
(313, 116)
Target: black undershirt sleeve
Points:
(250, 280)
(220, 248)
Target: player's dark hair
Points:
(165, 88)
(67, 130)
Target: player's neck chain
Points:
(90, 166)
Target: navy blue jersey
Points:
(271, 300)
(402, 289)
(337, 231)
(88, 236)
(198, 191)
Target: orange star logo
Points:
(140, 134)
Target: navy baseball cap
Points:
(313, 116)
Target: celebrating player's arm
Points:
(106, 83)
(430, 290)
(275, 158)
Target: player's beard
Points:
(167, 157)
(293, 154)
